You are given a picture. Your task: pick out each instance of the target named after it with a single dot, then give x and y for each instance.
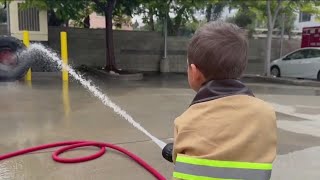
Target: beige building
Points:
(32, 19)
(98, 21)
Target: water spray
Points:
(40, 49)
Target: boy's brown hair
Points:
(219, 50)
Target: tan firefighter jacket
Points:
(226, 133)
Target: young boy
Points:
(226, 133)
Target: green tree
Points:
(289, 19)
(121, 20)
(246, 20)
(151, 10)
(214, 10)
(156, 11)
(243, 19)
(178, 13)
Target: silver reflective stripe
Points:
(224, 173)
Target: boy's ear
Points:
(192, 71)
(196, 73)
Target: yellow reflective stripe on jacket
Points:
(224, 164)
(189, 168)
(193, 177)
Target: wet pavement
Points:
(49, 111)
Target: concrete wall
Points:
(3, 29)
(177, 53)
(139, 51)
(142, 51)
(134, 50)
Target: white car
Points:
(302, 63)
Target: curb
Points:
(284, 81)
(110, 76)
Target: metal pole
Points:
(8, 19)
(165, 34)
(26, 41)
(64, 55)
(164, 63)
(282, 34)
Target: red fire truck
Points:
(310, 37)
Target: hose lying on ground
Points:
(75, 144)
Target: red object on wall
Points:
(310, 37)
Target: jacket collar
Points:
(216, 89)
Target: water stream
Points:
(36, 49)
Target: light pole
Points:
(8, 17)
(164, 63)
(282, 34)
(165, 34)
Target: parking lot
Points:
(48, 111)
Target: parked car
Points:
(302, 63)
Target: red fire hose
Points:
(75, 144)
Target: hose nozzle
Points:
(167, 152)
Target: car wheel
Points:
(318, 77)
(275, 71)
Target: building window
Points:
(28, 19)
(304, 17)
